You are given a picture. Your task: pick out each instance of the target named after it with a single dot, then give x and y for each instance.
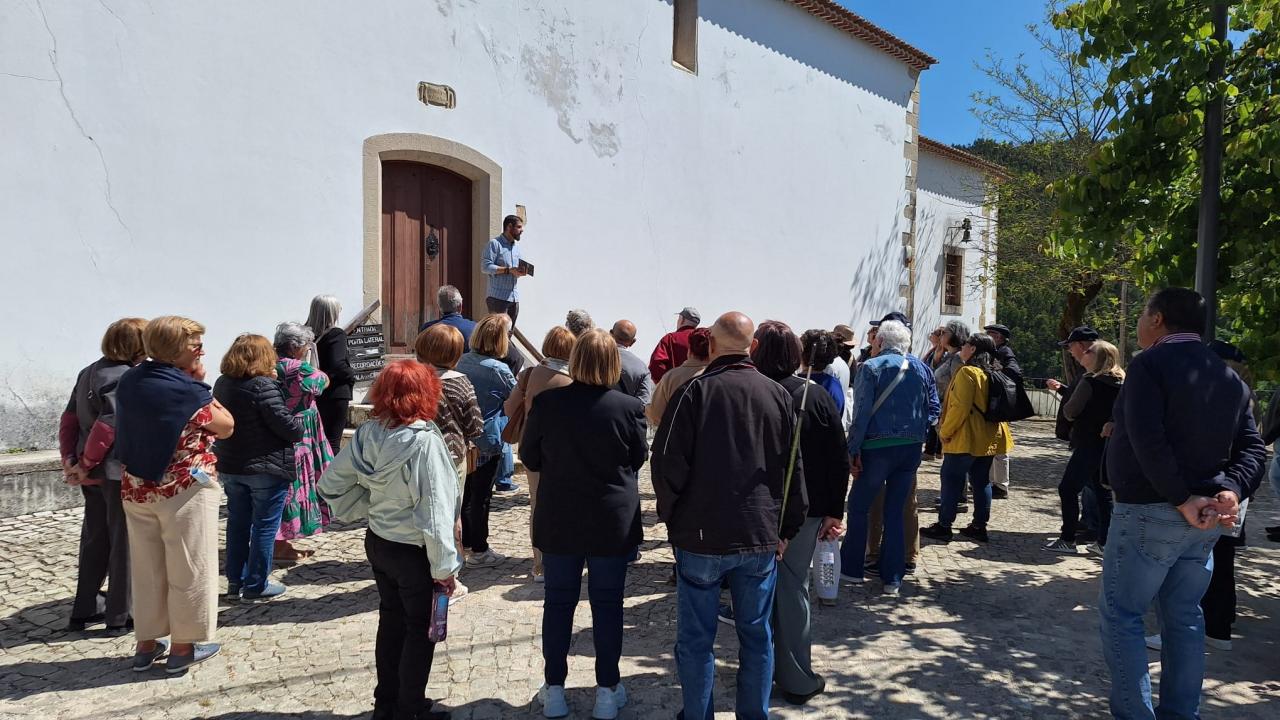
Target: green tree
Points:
(1046, 125)
(1137, 196)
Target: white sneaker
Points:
(553, 702)
(608, 701)
(459, 591)
(892, 588)
(1217, 644)
(850, 580)
(1154, 643)
(1095, 549)
(488, 558)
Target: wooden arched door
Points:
(426, 243)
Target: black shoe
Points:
(1272, 529)
(796, 699)
(975, 533)
(999, 493)
(124, 629)
(78, 624)
(937, 532)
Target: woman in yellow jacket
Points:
(969, 442)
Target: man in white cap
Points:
(673, 348)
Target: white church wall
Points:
(205, 160)
(949, 192)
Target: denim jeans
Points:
(254, 504)
(477, 494)
(955, 468)
(1275, 471)
(605, 582)
(894, 469)
(1081, 467)
(752, 578)
(1153, 555)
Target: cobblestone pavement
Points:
(1000, 631)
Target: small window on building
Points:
(953, 281)
(684, 48)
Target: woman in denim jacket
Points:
(493, 383)
(886, 444)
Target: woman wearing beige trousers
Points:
(552, 372)
(166, 422)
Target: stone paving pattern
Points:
(1000, 631)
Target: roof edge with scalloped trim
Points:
(850, 22)
(964, 158)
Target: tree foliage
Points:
(1137, 196)
(1047, 126)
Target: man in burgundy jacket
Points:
(673, 348)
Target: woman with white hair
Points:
(896, 402)
(332, 359)
(304, 514)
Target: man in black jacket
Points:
(1183, 453)
(719, 464)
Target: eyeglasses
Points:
(198, 348)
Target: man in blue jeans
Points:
(720, 460)
(1183, 454)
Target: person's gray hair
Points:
(324, 314)
(893, 335)
(290, 336)
(449, 299)
(578, 322)
(960, 332)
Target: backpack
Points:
(1007, 400)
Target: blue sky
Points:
(957, 33)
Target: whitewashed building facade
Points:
(228, 161)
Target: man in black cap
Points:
(1000, 335)
(867, 352)
(1078, 343)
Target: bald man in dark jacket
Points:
(719, 464)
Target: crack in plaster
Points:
(28, 77)
(62, 91)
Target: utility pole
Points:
(1124, 321)
(1211, 186)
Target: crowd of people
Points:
(757, 431)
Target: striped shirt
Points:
(1177, 338)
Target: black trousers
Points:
(477, 493)
(402, 652)
(333, 418)
(1081, 467)
(1219, 601)
(932, 443)
(495, 306)
(104, 552)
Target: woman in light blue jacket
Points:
(493, 382)
(397, 472)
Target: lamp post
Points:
(1208, 230)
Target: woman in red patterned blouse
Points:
(167, 421)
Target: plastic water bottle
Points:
(826, 571)
(1235, 530)
(201, 476)
(438, 630)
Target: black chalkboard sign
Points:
(367, 348)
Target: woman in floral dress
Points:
(305, 513)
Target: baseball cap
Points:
(895, 315)
(1084, 332)
(691, 314)
(1003, 330)
(846, 334)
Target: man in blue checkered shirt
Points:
(501, 262)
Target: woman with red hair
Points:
(397, 473)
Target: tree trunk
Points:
(1073, 317)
